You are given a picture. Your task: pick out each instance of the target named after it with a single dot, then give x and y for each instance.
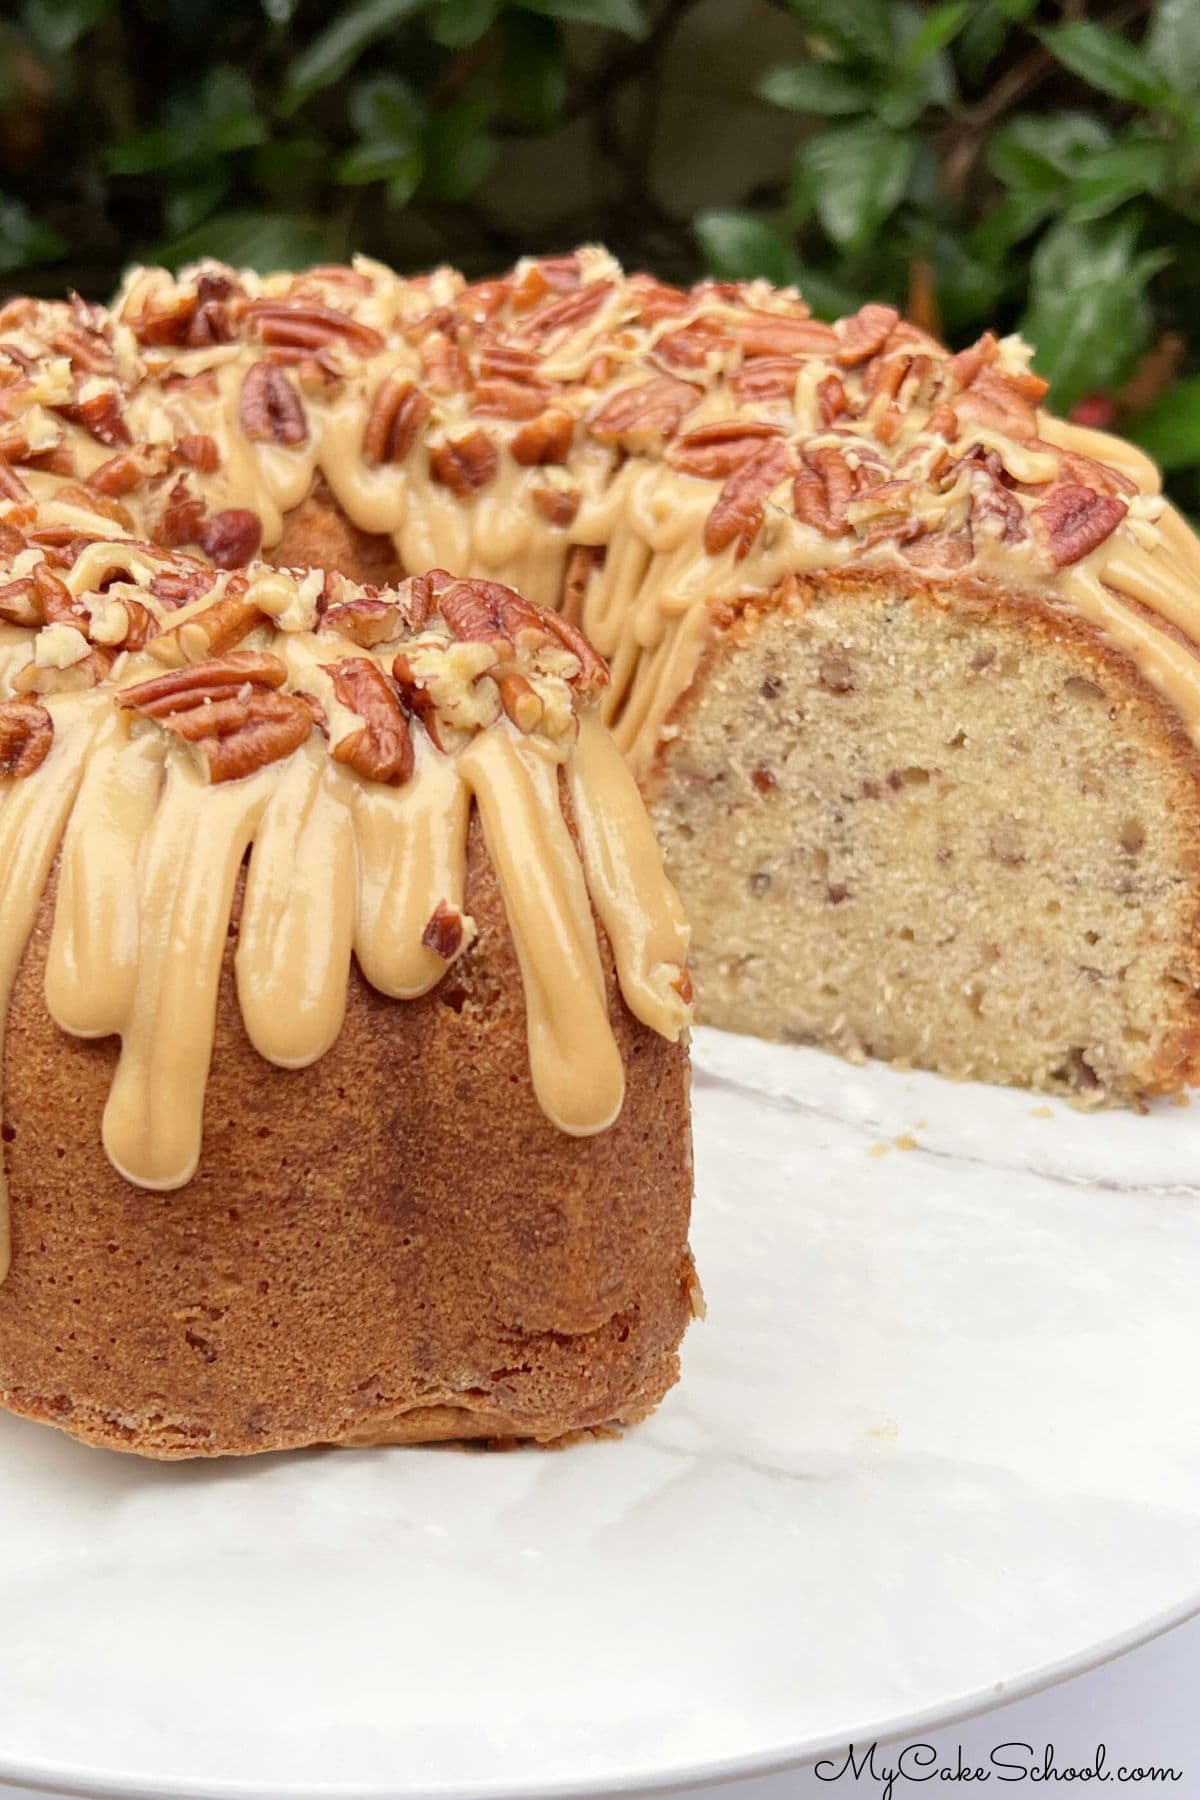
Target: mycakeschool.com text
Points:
(894, 1770)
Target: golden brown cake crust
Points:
(392, 1245)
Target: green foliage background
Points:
(978, 161)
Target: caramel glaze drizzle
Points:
(340, 864)
(692, 447)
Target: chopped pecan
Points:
(558, 506)
(180, 519)
(490, 613)
(864, 333)
(84, 349)
(127, 470)
(230, 539)
(398, 412)
(367, 622)
(943, 422)
(546, 439)
(95, 500)
(381, 750)
(656, 300)
(300, 326)
(173, 588)
(443, 364)
(11, 485)
(444, 932)
(416, 698)
(1001, 402)
(739, 511)
(824, 486)
(196, 684)
(464, 464)
(778, 334)
(518, 698)
(26, 734)
(640, 417)
(832, 398)
(101, 415)
(715, 451)
(1075, 519)
(199, 451)
(270, 409)
(59, 605)
(20, 603)
(964, 366)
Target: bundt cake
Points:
(242, 814)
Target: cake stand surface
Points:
(937, 1444)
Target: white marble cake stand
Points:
(937, 1443)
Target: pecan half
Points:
(739, 512)
(569, 313)
(381, 750)
(199, 451)
(505, 399)
(26, 734)
(832, 398)
(775, 334)
(301, 326)
(20, 603)
(398, 412)
(59, 604)
(212, 632)
(715, 451)
(490, 613)
(1075, 519)
(197, 683)
(269, 407)
(546, 439)
(242, 734)
(640, 417)
(230, 539)
(864, 333)
(442, 363)
(766, 378)
(464, 464)
(824, 486)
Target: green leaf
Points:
(24, 239)
(862, 28)
(456, 24)
(204, 123)
(1089, 317)
(856, 175)
(625, 16)
(458, 151)
(255, 240)
(56, 26)
(1108, 179)
(1039, 152)
(815, 87)
(378, 160)
(339, 46)
(1108, 62)
(1173, 44)
(386, 108)
(1170, 431)
(934, 31)
(737, 246)
(194, 200)
(535, 81)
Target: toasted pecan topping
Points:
(865, 333)
(230, 539)
(444, 932)
(739, 511)
(198, 682)
(102, 416)
(1075, 519)
(398, 412)
(464, 464)
(546, 439)
(220, 627)
(309, 327)
(488, 612)
(824, 486)
(715, 451)
(26, 734)
(778, 334)
(642, 416)
(271, 410)
(381, 750)
(367, 622)
(558, 506)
